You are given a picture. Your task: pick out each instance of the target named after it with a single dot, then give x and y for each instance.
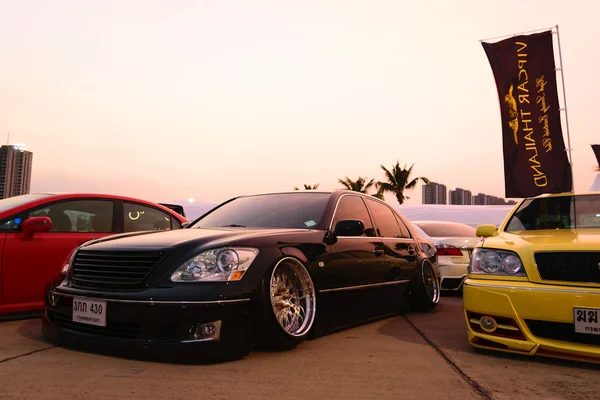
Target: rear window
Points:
(447, 230)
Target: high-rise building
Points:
(434, 193)
(460, 197)
(15, 170)
(479, 200)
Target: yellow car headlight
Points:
(496, 262)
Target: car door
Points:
(352, 265)
(32, 260)
(400, 252)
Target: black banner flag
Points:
(596, 148)
(535, 160)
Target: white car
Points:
(454, 243)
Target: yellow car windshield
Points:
(561, 212)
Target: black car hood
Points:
(178, 237)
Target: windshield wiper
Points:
(232, 226)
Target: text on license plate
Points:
(91, 312)
(587, 320)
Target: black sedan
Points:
(268, 270)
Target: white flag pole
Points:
(516, 34)
(562, 75)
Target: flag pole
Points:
(516, 34)
(562, 75)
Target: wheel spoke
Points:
(292, 298)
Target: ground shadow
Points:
(32, 329)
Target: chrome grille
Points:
(116, 269)
(580, 266)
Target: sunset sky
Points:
(211, 99)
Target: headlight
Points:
(222, 264)
(69, 261)
(496, 262)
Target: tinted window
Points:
(564, 212)
(385, 220)
(76, 215)
(444, 229)
(353, 207)
(403, 227)
(175, 224)
(138, 217)
(289, 210)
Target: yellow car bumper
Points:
(530, 318)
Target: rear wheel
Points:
(426, 288)
(287, 306)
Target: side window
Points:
(77, 215)
(175, 224)
(352, 207)
(385, 220)
(138, 217)
(12, 224)
(403, 228)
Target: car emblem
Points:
(53, 300)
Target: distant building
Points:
(460, 197)
(15, 170)
(486, 200)
(434, 193)
(479, 199)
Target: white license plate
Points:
(587, 320)
(91, 312)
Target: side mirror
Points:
(486, 231)
(350, 227)
(36, 225)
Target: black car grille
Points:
(113, 269)
(561, 331)
(579, 266)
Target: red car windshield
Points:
(15, 201)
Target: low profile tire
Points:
(287, 306)
(425, 295)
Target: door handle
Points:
(378, 252)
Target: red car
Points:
(39, 231)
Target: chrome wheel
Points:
(431, 282)
(292, 297)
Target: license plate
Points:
(587, 320)
(91, 312)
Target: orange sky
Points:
(212, 99)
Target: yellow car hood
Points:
(557, 239)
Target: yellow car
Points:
(533, 284)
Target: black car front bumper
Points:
(164, 327)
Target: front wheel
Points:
(287, 306)
(426, 288)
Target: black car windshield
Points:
(564, 212)
(15, 201)
(447, 229)
(285, 210)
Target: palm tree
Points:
(398, 179)
(360, 185)
(308, 187)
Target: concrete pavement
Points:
(418, 356)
